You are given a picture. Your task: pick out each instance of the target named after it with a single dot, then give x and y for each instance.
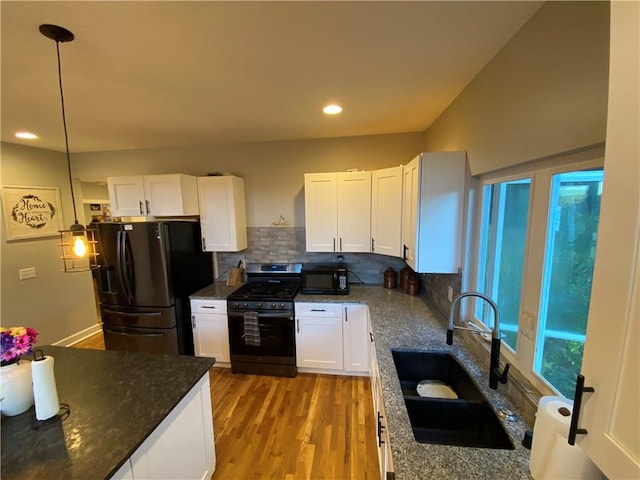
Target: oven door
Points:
(277, 338)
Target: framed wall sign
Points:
(31, 212)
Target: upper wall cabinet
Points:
(223, 217)
(157, 195)
(386, 211)
(433, 209)
(338, 211)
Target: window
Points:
(574, 211)
(535, 251)
(503, 233)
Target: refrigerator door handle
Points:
(122, 264)
(131, 314)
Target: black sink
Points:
(467, 421)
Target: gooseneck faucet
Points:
(495, 375)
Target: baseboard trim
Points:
(79, 336)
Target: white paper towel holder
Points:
(63, 412)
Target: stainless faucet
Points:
(495, 375)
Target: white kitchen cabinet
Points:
(433, 210)
(156, 195)
(186, 433)
(223, 217)
(610, 414)
(319, 340)
(356, 338)
(386, 211)
(210, 330)
(338, 211)
(385, 459)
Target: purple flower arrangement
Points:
(16, 341)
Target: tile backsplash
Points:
(287, 244)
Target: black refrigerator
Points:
(147, 272)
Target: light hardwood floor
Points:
(307, 427)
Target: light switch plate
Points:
(25, 273)
(450, 294)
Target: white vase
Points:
(16, 388)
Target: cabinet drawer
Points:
(208, 306)
(318, 309)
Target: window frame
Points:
(541, 174)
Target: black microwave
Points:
(325, 278)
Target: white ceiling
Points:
(157, 74)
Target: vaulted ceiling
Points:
(174, 73)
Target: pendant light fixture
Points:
(78, 244)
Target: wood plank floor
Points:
(307, 427)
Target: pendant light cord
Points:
(66, 136)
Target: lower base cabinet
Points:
(319, 343)
(385, 459)
(181, 446)
(210, 330)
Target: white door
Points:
(354, 212)
(126, 196)
(211, 336)
(319, 342)
(386, 211)
(410, 194)
(611, 360)
(321, 207)
(356, 338)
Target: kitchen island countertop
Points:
(116, 400)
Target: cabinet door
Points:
(356, 338)
(126, 196)
(173, 194)
(321, 210)
(222, 213)
(186, 433)
(410, 198)
(354, 212)
(211, 336)
(319, 342)
(610, 364)
(386, 211)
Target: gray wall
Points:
(56, 304)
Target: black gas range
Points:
(261, 320)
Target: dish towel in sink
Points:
(251, 329)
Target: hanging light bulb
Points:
(78, 243)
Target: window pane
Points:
(574, 212)
(503, 232)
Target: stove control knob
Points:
(236, 305)
(281, 306)
(245, 305)
(272, 306)
(258, 305)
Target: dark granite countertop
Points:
(404, 321)
(116, 400)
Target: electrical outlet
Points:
(25, 273)
(243, 264)
(450, 294)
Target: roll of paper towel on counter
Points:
(551, 455)
(45, 394)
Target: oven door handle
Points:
(288, 316)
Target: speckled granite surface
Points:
(400, 320)
(215, 291)
(116, 399)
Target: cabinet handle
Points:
(346, 315)
(380, 428)
(334, 244)
(204, 244)
(404, 252)
(193, 321)
(140, 206)
(340, 244)
(577, 404)
(372, 246)
(371, 336)
(318, 310)
(207, 306)
(147, 204)
(298, 323)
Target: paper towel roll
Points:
(568, 462)
(45, 394)
(549, 423)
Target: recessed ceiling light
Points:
(26, 135)
(332, 109)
